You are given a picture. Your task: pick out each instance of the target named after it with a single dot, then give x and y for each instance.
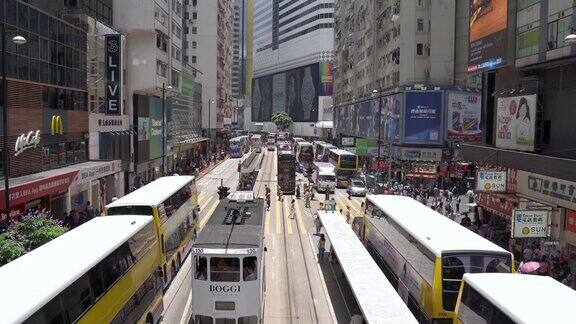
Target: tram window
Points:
(225, 321)
(248, 320)
(249, 271)
(201, 268)
(200, 319)
(225, 269)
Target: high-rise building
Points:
(386, 44)
(293, 56)
(242, 62)
(211, 53)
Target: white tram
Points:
(228, 280)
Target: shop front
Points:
(186, 156)
(97, 183)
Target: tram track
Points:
(288, 270)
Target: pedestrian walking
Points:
(321, 248)
(307, 199)
(458, 204)
(348, 215)
(267, 190)
(317, 224)
(268, 202)
(292, 209)
(279, 193)
(470, 195)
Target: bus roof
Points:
(341, 152)
(303, 143)
(526, 298)
(324, 144)
(221, 232)
(154, 193)
(325, 167)
(377, 298)
(435, 231)
(32, 280)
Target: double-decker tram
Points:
(239, 146)
(256, 142)
(304, 155)
(507, 298)
(346, 164)
(228, 263)
(425, 254)
(286, 166)
(104, 271)
(321, 151)
(173, 201)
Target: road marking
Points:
(277, 205)
(202, 206)
(267, 222)
(299, 220)
(288, 229)
(207, 216)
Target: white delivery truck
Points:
(324, 176)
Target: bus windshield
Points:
(454, 266)
(348, 161)
(328, 178)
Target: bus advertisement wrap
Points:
(423, 117)
(488, 35)
(464, 115)
(516, 123)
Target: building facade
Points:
(528, 91)
(48, 117)
(293, 59)
(211, 52)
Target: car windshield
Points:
(358, 184)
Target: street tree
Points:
(282, 120)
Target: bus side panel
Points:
(114, 300)
(160, 234)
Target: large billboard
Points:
(390, 119)
(423, 117)
(150, 138)
(464, 115)
(326, 69)
(156, 129)
(516, 123)
(294, 91)
(488, 35)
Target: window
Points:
(420, 24)
(419, 49)
(161, 42)
(201, 268)
(194, 44)
(527, 43)
(225, 321)
(201, 319)
(225, 269)
(161, 68)
(248, 320)
(161, 16)
(522, 4)
(194, 15)
(193, 58)
(249, 269)
(175, 79)
(557, 31)
(194, 30)
(474, 308)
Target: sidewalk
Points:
(211, 167)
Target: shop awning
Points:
(328, 124)
(498, 203)
(422, 175)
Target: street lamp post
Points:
(18, 40)
(164, 87)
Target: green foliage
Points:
(9, 249)
(34, 231)
(282, 120)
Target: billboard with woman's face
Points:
(516, 123)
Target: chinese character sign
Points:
(516, 121)
(530, 223)
(423, 117)
(464, 113)
(494, 181)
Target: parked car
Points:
(356, 188)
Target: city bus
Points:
(256, 141)
(424, 254)
(322, 150)
(228, 263)
(104, 271)
(173, 201)
(239, 146)
(346, 165)
(506, 298)
(304, 155)
(286, 171)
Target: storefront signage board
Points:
(113, 74)
(493, 181)
(530, 223)
(26, 141)
(547, 189)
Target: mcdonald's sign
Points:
(57, 125)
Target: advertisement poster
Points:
(516, 123)
(143, 128)
(390, 119)
(530, 223)
(326, 78)
(155, 129)
(423, 118)
(488, 35)
(464, 115)
(494, 181)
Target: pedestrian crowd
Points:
(553, 262)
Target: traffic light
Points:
(223, 192)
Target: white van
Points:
(324, 176)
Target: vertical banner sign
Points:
(113, 75)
